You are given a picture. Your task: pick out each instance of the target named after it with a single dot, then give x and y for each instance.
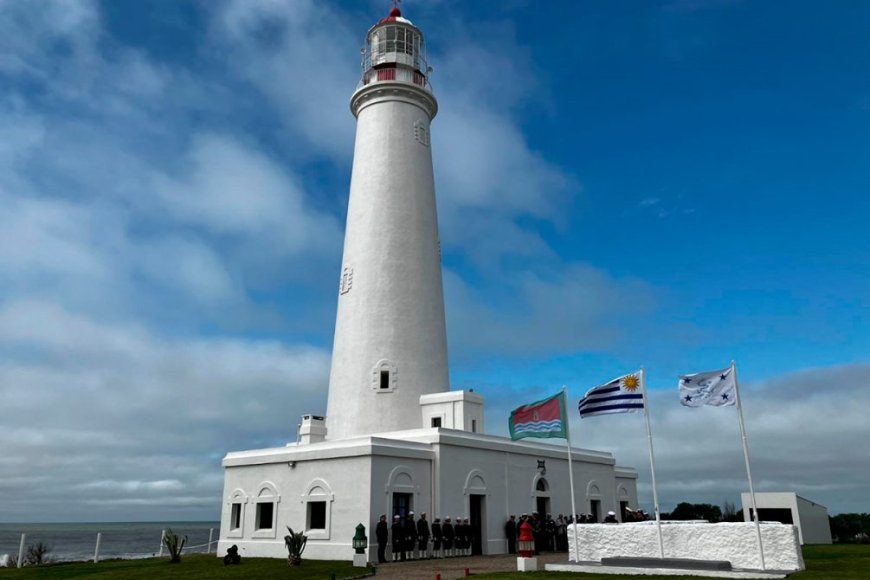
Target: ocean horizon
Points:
(75, 541)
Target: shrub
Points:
(36, 554)
(171, 542)
(295, 546)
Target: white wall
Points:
(815, 527)
(344, 482)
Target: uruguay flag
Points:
(622, 395)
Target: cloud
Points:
(110, 406)
(304, 69)
(137, 257)
(574, 308)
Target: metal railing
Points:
(401, 75)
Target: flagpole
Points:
(652, 463)
(570, 471)
(746, 458)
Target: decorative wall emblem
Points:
(421, 132)
(346, 279)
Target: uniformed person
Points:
(447, 530)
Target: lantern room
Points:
(395, 51)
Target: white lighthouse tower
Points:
(390, 341)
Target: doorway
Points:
(623, 511)
(595, 509)
(477, 506)
(402, 504)
(542, 506)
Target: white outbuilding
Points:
(395, 438)
(810, 518)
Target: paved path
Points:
(452, 568)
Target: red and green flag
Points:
(545, 418)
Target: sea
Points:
(75, 542)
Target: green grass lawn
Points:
(835, 562)
(191, 567)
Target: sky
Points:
(674, 184)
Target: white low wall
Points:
(734, 542)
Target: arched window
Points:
(318, 498)
(266, 511)
(384, 376)
(542, 485)
(236, 504)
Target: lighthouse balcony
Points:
(401, 75)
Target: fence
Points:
(205, 548)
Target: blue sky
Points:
(671, 184)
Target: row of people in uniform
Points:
(416, 540)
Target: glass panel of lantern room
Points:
(375, 48)
(401, 45)
(391, 38)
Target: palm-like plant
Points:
(172, 544)
(295, 543)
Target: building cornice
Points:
(378, 92)
(414, 444)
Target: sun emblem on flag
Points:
(630, 383)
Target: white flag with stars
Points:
(713, 388)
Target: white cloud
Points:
(306, 68)
(229, 189)
(574, 308)
(84, 398)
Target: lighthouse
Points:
(396, 439)
(390, 345)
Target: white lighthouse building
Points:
(395, 437)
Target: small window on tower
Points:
(436, 421)
(384, 377)
(474, 425)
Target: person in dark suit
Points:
(423, 537)
(436, 538)
(398, 531)
(382, 533)
(410, 535)
(510, 532)
(447, 530)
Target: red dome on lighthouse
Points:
(395, 15)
